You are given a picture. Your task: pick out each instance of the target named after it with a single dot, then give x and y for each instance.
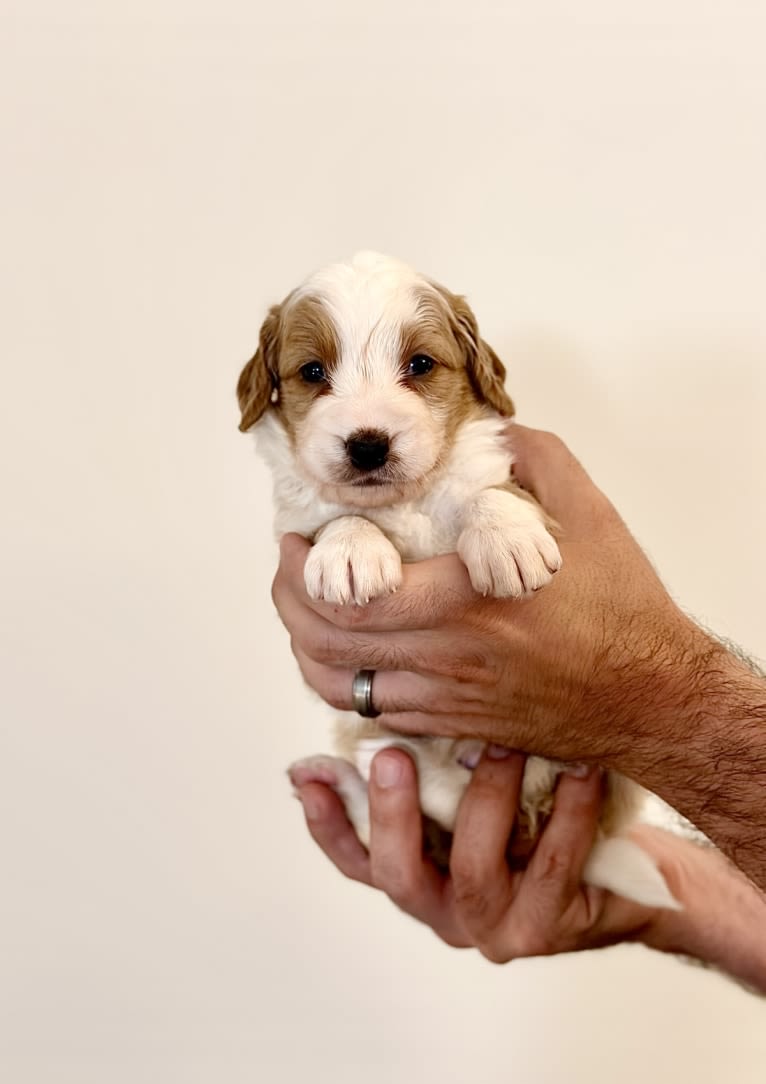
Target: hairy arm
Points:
(712, 705)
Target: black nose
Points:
(368, 449)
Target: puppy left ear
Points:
(258, 380)
(485, 369)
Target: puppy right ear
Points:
(258, 380)
(485, 369)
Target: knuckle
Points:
(351, 618)
(496, 954)
(391, 657)
(534, 943)
(321, 646)
(554, 865)
(469, 893)
(467, 668)
(390, 816)
(583, 805)
(472, 905)
(488, 782)
(528, 939)
(398, 885)
(412, 606)
(451, 939)
(551, 444)
(405, 897)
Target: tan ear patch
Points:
(485, 369)
(259, 377)
(488, 377)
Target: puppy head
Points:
(371, 368)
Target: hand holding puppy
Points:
(543, 908)
(600, 667)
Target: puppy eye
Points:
(313, 372)
(420, 364)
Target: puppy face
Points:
(371, 368)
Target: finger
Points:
(396, 833)
(397, 864)
(480, 724)
(324, 643)
(293, 551)
(547, 468)
(392, 691)
(481, 878)
(431, 592)
(331, 830)
(331, 645)
(554, 875)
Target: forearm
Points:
(723, 923)
(704, 748)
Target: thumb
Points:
(544, 465)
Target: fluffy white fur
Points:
(445, 500)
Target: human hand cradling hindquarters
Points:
(601, 667)
(541, 907)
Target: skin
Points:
(544, 908)
(601, 667)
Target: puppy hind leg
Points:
(621, 866)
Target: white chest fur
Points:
(426, 527)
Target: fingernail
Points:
(581, 771)
(470, 758)
(387, 770)
(498, 752)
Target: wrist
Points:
(656, 676)
(698, 740)
(723, 921)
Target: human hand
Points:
(543, 908)
(482, 903)
(575, 673)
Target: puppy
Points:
(382, 414)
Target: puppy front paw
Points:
(507, 555)
(352, 565)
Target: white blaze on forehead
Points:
(369, 300)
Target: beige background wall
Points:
(593, 176)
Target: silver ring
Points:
(361, 694)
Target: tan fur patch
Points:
(259, 377)
(447, 388)
(291, 336)
(309, 335)
(485, 369)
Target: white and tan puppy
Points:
(383, 416)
